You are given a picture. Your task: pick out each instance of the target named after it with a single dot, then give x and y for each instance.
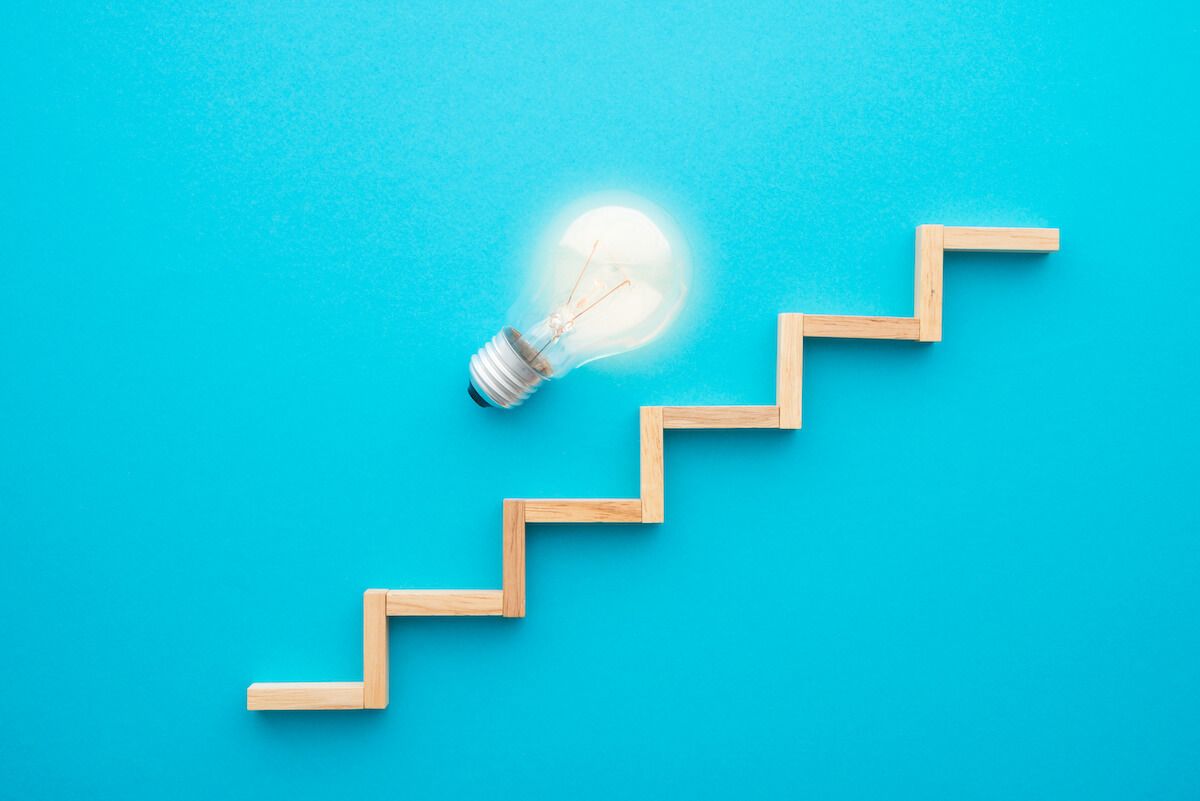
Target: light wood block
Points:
(1022, 240)
(789, 369)
(513, 599)
(844, 327)
(583, 510)
(305, 695)
(375, 649)
(435, 603)
(720, 417)
(652, 464)
(927, 302)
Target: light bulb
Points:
(606, 281)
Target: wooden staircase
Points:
(378, 605)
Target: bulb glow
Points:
(608, 282)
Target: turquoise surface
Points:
(247, 250)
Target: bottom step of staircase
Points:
(305, 695)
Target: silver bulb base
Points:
(500, 377)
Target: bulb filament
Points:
(579, 278)
(595, 303)
(560, 327)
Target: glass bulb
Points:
(606, 281)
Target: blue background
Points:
(248, 249)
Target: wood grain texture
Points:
(652, 464)
(583, 510)
(846, 327)
(1021, 240)
(434, 603)
(927, 298)
(789, 369)
(513, 599)
(720, 417)
(305, 695)
(375, 649)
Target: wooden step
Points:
(848, 327)
(583, 510)
(433, 603)
(720, 417)
(305, 695)
(1020, 240)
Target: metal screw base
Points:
(499, 376)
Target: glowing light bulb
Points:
(608, 281)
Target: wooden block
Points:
(583, 510)
(789, 369)
(652, 464)
(375, 649)
(305, 695)
(832, 325)
(433, 603)
(927, 305)
(1024, 240)
(720, 417)
(513, 600)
